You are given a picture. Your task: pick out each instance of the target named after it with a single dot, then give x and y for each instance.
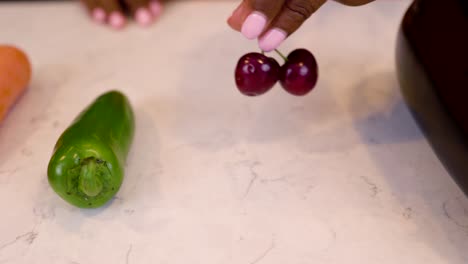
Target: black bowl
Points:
(432, 68)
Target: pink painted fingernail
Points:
(99, 15)
(155, 8)
(143, 16)
(116, 20)
(253, 25)
(272, 39)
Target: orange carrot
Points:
(15, 75)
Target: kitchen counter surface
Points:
(342, 175)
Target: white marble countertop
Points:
(342, 175)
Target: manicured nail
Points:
(155, 8)
(143, 16)
(99, 15)
(116, 20)
(253, 25)
(272, 39)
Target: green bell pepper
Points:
(87, 165)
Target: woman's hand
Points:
(272, 21)
(114, 12)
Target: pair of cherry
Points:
(257, 73)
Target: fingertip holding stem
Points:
(254, 25)
(272, 39)
(116, 20)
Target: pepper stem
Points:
(89, 182)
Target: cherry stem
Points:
(281, 55)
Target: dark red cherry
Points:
(299, 74)
(301, 55)
(256, 74)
